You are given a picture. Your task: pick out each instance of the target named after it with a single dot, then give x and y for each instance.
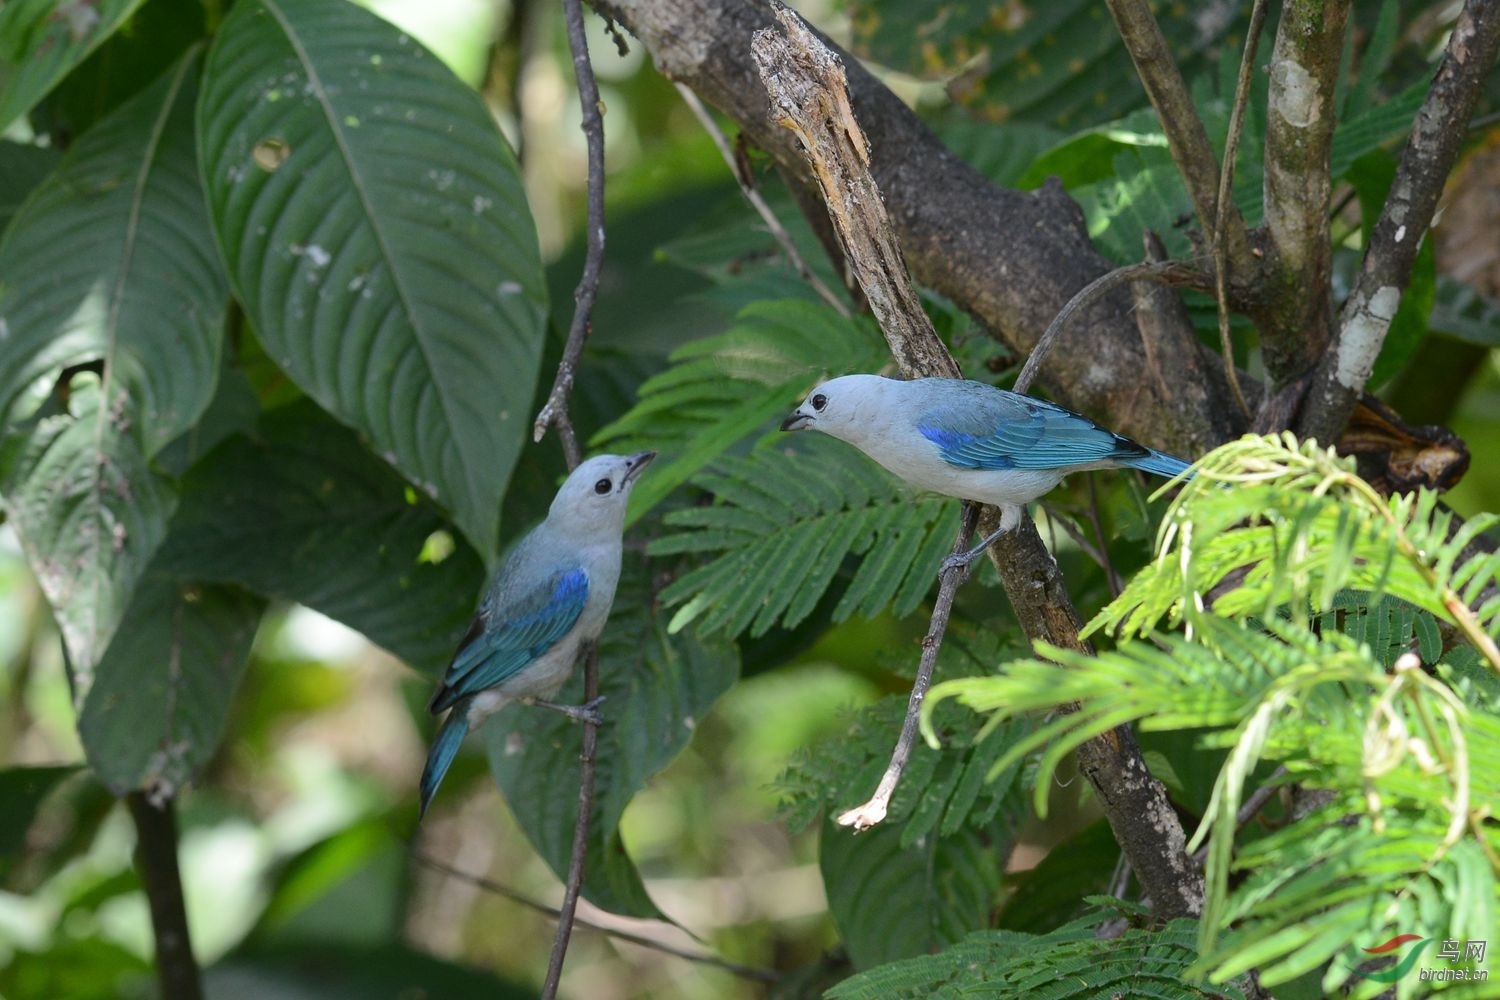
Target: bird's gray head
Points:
(843, 407)
(593, 496)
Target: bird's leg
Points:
(1010, 516)
(587, 712)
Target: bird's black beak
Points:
(796, 421)
(635, 463)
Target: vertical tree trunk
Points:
(156, 859)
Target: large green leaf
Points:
(892, 901)
(108, 262)
(111, 260)
(89, 513)
(23, 789)
(150, 40)
(943, 790)
(23, 169)
(302, 512)
(656, 686)
(159, 702)
(41, 40)
(377, 232)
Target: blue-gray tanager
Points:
(551, 595)
(969, 440)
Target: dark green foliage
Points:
(1070, 962)
(1058, 63)
(892, 900)
(945, 789)
(289, 510)
(156, 710)
(37, 49)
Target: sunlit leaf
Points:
(378, 235)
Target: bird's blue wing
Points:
(499, 646)
(1005, 430)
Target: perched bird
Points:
(551, 595)
(969, 440)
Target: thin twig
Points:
(1116, 586)
(1251, 806)
(1057, 519)
(489, 885)
(555, 414)
(1187, 139)
(862, 817)
(1226, 185)
(1168, 272)
(753, 196)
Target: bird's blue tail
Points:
(1159, 463)
(444, 749)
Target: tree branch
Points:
(1425, 164)
(156, 859)
(1186, 137)
(1296, 320)
(1196, 389)
(1167, 272)
(1223, 259)
(1011, 258)
(806, 83)
(555, 413)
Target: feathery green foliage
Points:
(1072, 961)
(1314, 529)
(1258, 573)
(784, 524)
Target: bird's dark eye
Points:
(602, 486)
(819, 401)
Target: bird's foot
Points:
(961, 560)
(587, 712)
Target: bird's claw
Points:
(960, 560)
(587, 712)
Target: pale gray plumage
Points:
(552, 594)
(969, 440)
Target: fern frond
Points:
(725, 387)
(783, 527)
(1070, 962)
